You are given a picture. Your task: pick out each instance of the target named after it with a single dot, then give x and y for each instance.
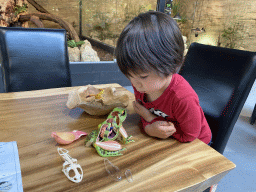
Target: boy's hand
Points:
(160, 129)
(143, 112)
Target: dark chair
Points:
(253, 117)
(34, 58)
(222, 78)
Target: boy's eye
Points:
(143, 77)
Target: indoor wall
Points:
(215, 16)
(111, 16)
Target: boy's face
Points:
(150, 82)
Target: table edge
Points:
(48, 92)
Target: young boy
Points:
(149, 52)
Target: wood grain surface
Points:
(156, 165)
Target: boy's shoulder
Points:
(180, 88)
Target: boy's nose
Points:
(137, 85)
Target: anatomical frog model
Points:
(110, 130)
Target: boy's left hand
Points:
(143, 111)
(160, 129)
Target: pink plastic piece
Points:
(67, 137)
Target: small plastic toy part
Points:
(128, 175)
(67, 137)
(70, 164)
(112, 170)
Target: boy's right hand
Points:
(160, 129)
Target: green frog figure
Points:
(110, 130)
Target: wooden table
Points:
(156, 165)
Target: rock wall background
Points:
(104, 20)
(217, 15)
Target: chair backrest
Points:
(34, 58)
(222, 78)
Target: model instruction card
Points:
(10, 173)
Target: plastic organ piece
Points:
(112, 170)
(128, 175)
(67, 137)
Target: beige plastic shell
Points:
(96, 101)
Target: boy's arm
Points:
(189, 117)
(145, 119)
(153, 125)
(143, 112)
(160, 129)
(145, 123)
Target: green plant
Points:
(72, 43)
(168, 5)
(20, 9)
(102, 25)
(232, 34)
(183, 19)
(103, 30)
(177, 6)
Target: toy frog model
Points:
(110, 130)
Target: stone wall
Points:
(212, 15)
(101, 20)
(216, 15)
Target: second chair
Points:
(34, 58)
(222, 78)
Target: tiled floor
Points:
(241, 150)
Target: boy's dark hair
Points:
(151, 41)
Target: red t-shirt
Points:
(179, 104)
